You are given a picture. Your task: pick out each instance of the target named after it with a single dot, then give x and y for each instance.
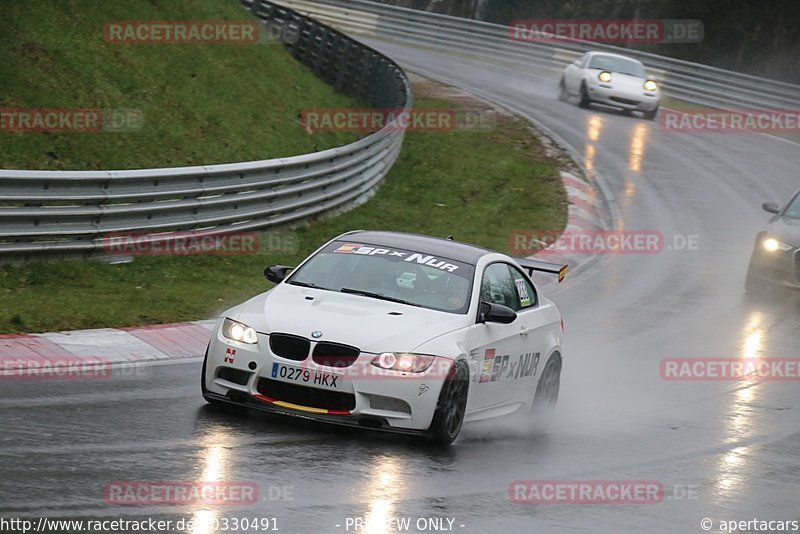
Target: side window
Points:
(525, 290)
(498, 286)
(584, 61)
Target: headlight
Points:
(404, 362)
(771, 245)
(650, 85)
(604, 76)
(239, 332)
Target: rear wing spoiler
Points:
(531, 265)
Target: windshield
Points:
(619, 65)
(396, 275)
(793, 210)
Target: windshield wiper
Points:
(376, 296)
(305, 284)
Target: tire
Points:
(651, 115)
(546, 397)
(755, 286)
(584, 97)
(451, 406)
(752, 284)
(563, 95)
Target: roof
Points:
(436, 246)
(612, 54)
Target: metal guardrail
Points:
(683, 80)
(75, 211)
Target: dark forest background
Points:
(759, 37)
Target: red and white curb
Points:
(583, 218)
(67, 353)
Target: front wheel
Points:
(752, 284)
(651, 115)
(451, 406)
(755, 286)
(584, 97)
(546, 397)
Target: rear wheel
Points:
(451, 406)
(584, 97)
(563, 95)
(546, 397)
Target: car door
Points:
(536, 329)
(493, 346)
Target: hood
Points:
(370, 324)
(627, 82)
(786, 230)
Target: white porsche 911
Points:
(393, 331)
(612, 80)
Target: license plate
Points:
(310, 377)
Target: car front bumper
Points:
(365, 395)
(624, 99)
(782, 267)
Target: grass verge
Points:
(477, 185)
(199, 103)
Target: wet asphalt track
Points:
(734, 447)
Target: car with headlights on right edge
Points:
(776, 256)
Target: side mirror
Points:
(771, 207)
(496, 313)
(276, 273)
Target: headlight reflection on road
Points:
(384, 487)
(752, 336)
(730, 478)
(741, 417)
(215, 463)
(588, 157)
(594, 127)
(637, 147)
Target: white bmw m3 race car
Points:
(393, 331)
